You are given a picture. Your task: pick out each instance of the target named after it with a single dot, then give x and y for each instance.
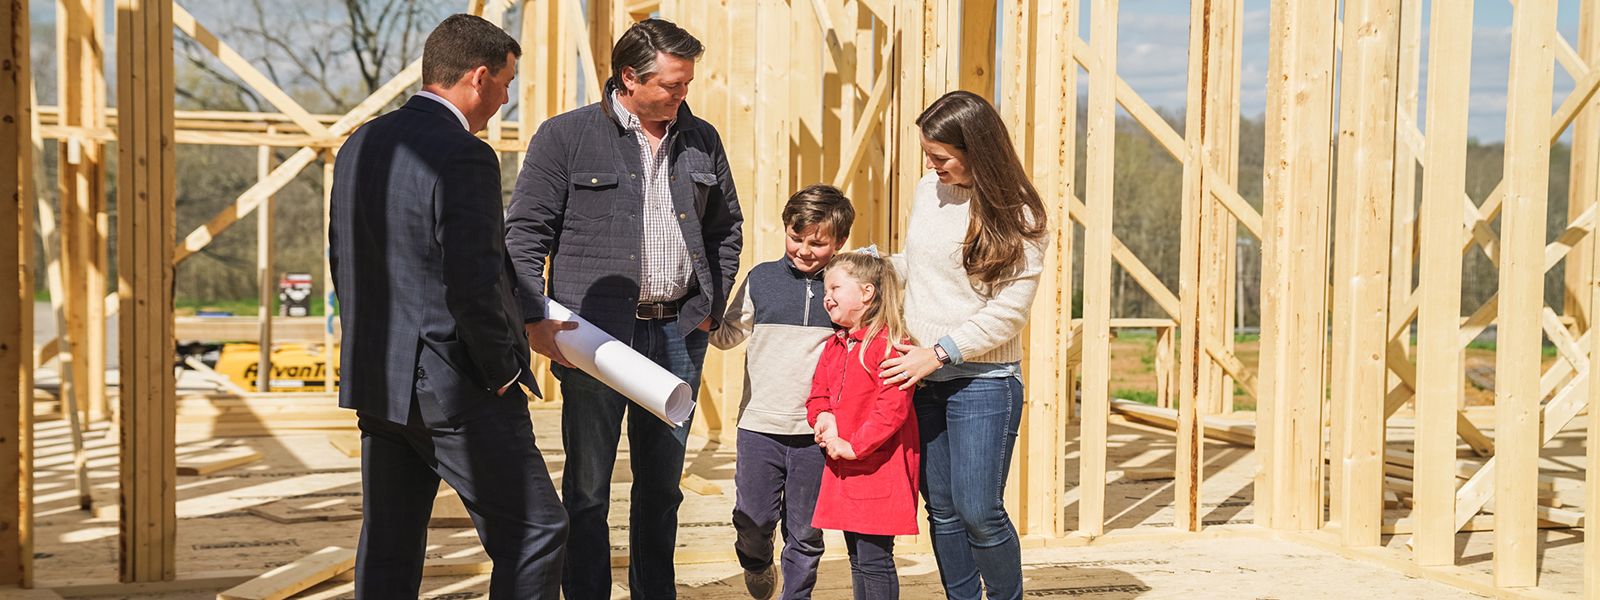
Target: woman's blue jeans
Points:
(969, 428)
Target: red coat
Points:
(875, 494)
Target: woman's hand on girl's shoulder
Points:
(912, 364)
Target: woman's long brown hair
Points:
(999, 226)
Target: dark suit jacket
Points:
(577, 203)
(425, 289)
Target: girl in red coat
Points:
(869, 487)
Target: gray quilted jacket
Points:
(577, 205)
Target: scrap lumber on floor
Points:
(211, 462)
(289, 579)
(348, 443)
(700, 485)
(1242, 433)
(448, 510)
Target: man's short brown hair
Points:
(823, 205)
(638, 46)
(462, 43)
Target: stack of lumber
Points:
(236, 415)
(1232, 431)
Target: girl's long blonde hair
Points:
(883, 313)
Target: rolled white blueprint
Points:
(619, 366)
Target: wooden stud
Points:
(66, 367)
(287, 580)
(1439, 365)
(146, 183)
(1194, 369)
(1517, 398)
(1585, 156)
(1294, 271)
(1366, 167)
(1097, 270)
(773, 123)
(977, 59)
(266, 284)
(330, 308)
(15, 343)
(1584, 180)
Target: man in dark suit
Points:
(434, 348)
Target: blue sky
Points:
(1152, 51)
(1153, 45)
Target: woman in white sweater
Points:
(973, 254)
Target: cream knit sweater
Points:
(984, 320)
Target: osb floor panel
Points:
(216, 533)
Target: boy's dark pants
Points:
(778, 477)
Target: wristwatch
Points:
(944, 357)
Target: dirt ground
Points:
(217, 533)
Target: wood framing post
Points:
(1439, 350)
(977, 47)
(16, 345)
(775, 122)
(1199, 380)
(1036, 57)
(1585, 174)
(1215, 90)
(82, 101)
(330, 306)
(1098, 181)
(1294, 263)
(1587, 127)
(264, 279)
(1517, 394)
(146, 191)
(1365, 190)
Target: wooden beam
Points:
(146, 184)
(15, 344)
(977, 65)
(291, 578)
(265, 281)
(1097, 270)
(862, 132)
(1517, 398)
(1439, 364)
(1366, 152)
(247, 72)
(291, 167)
(1146, 278)
(1585, 182)
(1194, 370)
(1294, 268)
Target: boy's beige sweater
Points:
(984, 320)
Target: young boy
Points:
(779, 465)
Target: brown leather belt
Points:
(648, 311)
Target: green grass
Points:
(1491, 346)
(41, 295)
(1140, 396)
(243, 308)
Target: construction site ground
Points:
(220, 534)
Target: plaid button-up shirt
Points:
(665, 272)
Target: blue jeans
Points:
(969, 428)
(591, 426)
(778, 477)
(872, 572)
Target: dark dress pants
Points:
(487, 455)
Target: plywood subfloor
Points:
(217, 533)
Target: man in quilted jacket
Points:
(631, 204)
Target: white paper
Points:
(620, 367)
